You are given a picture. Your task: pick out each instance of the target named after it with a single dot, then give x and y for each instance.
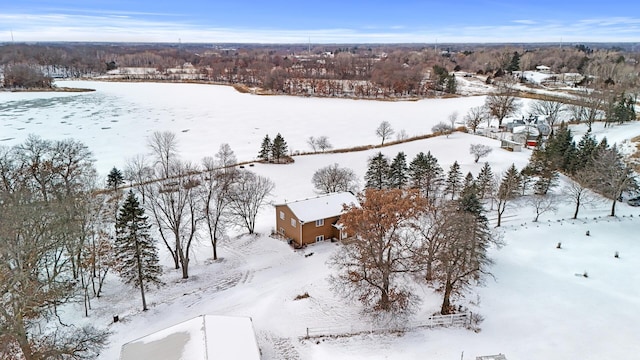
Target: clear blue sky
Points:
(324, 21)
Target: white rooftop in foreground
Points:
(206, 337)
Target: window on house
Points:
(319, 238)
(293, 222)
(282, 231)
(281, 215)
(320, 222)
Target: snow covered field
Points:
(539, 306)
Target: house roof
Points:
(321, 207)
(206, 337)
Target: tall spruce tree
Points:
(542, 166)
(561, 149)
(398, 177)
(585, 152)
(425, 174)
(377, 176)
(484, 182)
(265, 149)
(114, 179)
(468, 182)
(454, 180)
(136, 254)
(279, 148)
(508, 190)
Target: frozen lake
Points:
(116, 119)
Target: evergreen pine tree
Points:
(525, 180)
(425, 174)
(454, 180)
(136, 254)
(468, 182)
(469, 200)
(514, 65)
(585, 152)
(451, 84)
(398, 177)
(377, 173)
(509, 189)
(278, 148)
(114, 179)
(543, 167)
(265, 149)
(484, 182)
(561, 149)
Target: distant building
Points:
(312, 220)
(543, 69)
(206, 337)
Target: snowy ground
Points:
(539, 306)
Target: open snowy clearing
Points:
(539, 306)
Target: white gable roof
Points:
(322, 207)
(206, 337)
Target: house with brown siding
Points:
(312, 220)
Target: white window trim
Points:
(293, 222)
(319, 238)
(281, 215)
(319, 222)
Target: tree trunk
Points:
(23, 341)
(575, 214)
(613, 207)
(446, 303)
(501, 207)
(140, 277)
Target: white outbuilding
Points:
(205, 337)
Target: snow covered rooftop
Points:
(322, 207)
(205, 337)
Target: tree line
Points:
(370, 71)
(62, 232)
(416, 221)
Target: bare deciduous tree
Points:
(164, 148)
(475, 117)
(577, 191)
(138, 172)
(218, 177)
(442, 128)
(247, 196)
(333, 178)
(323, 143)
(549, 108)
(611, 176)
(370, 269)
(503, 102)
(479, 151)
(174, 203)
(41, 241)
(542, 204)
(319, 144)
(384, 131)
(589, 107)
(453, 117)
